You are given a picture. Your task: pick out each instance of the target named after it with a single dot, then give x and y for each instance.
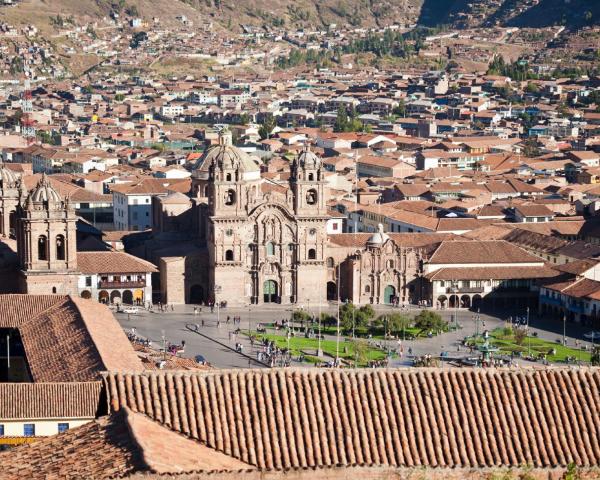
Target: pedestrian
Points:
(218, 324)
(410, 351)
(202, 322)
(172, 307)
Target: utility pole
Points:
(528, 336)
(337, 339)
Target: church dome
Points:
(225, 155)
(308, 159)
(8, 178)
(44, 192)
(378, 238)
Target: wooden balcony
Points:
(120, 284)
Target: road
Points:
(217, 343)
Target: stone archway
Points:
(115, 297)
(103, 296)
(465, 301)
(442, 301)
(128, 297)
(86, 294)
(453, 301)
(477, 301)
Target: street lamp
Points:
(217, 290)
(528, 336)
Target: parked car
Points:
(129, 310)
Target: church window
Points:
(311, 197)
(390, 264)
(60, 247)
(270, 248)
(330, 262)
(229, 256)
(311, 177)
(230, 197)
(312, 254)
(367, 288)
(228, 177)
(291, 247)
(313, 231)
(42, 248)
(53, 289)
(229, 232)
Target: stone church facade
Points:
(44, 226)
(256, 241)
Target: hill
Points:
(232, 14)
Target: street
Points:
(215, 339)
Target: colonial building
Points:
(249, 240)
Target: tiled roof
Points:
(489, 273)
(114, 447)
(459, 418)
(99, 449)
(484, 252)
(49, 400)
(67, 339)
(536, 241)
(414, 240)
(112, 262)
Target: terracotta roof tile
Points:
(49, 400)
(457, 418)
(112, 262)
(67, 339)
(114, 447)
(485, 252)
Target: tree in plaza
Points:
(301, 316)
(352, 318)
(520, 335)
(266, 129)
(396, 323)
(361, 351)
(595, 359)
(427, 321)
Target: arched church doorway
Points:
(331, 291)
(196, 294)
(389, 294)
(270, 291)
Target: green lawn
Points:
(506, 344)
(361, 332)
(309, 346)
